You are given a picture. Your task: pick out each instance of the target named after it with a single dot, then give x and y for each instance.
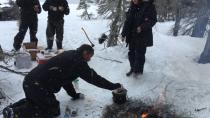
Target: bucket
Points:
(119, 96)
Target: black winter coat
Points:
(56, 15)
(143, 15)
(61, 70)
(27, 8)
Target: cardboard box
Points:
(32, 48)
(29, 45)
(33, 53)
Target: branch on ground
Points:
(113, 60)
(13, 71)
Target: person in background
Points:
(28, 19)
(56, 10)
(137, 30)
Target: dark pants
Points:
(26, 109)
(32, 24)
(54, 27)
(41, 103)
(136, 54)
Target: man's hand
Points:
(61, 8)
(118, 85)
(53, 8)
(36, 8)
(120, 89)
(79, 96)
(139, 29)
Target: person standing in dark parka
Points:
(56, 10)
(46, 79)
(28, 19)
(140, 19)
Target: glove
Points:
(61, 8)
(118, 85)
(139, 30)
(53, 8)
(119, 89)
(78, 96)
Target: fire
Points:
(144, 115)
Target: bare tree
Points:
(205, 55)
(1, 54)
(202, 19)
(178, 18)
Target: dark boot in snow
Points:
(59, 44)
(50, 43)
(8, 113)
(129, 73)
(137, 74)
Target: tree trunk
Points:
(178, 19)
(205, 55)
(202, 20)
(1, 54)
(2, 94)
(200, 27)
(114, 32)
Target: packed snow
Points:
(171, 68)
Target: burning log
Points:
(139, 109)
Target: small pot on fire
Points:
(119, 95)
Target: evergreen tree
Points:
(84, 5)
(115, 11)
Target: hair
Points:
(86, 47)
(150, 1)
(132, 4)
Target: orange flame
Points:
(144, 115)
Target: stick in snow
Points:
(13, 71)
(201, 109)
(87, 37)
(110, 59)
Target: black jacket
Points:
(56, 15)
(27, 8)
(61, 70)
(143, 15)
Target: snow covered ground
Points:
(171, 68)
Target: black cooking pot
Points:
(119, 96)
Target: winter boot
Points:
(59, 44)
(8, 113)
(136, 74)
(129, 73)
(49, 43)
